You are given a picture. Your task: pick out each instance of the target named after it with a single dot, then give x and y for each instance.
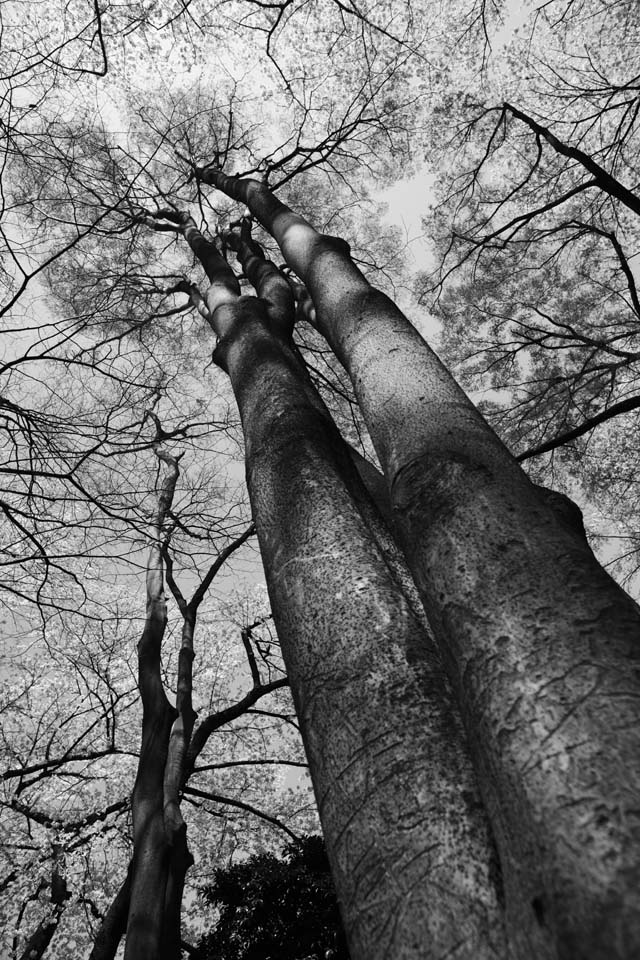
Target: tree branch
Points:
(631, 403)
(604, 180)
(217, 798)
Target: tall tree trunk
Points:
(407, 837)
(541, 645)
(146, 927)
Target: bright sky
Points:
(408, 201)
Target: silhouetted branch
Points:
(631, 403)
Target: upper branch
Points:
(603, 179)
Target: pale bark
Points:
(542, 646)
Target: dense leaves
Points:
(277, 908)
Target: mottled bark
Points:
(407, 837)
(542, 646)
(379, 518)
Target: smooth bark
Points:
(542, 646)
(407, 837)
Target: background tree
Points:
(277, 907)
(537, 290)
(72, 760)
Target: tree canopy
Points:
(277, 907)
(536, 287)
(512, 128)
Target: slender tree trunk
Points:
(407, 837)
(542, 646)
(146, 927)
(148, 905)
(114, 923)
(180, 858)
(38, 943)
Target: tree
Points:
(470, 788)
(358, 322)
(40, 939)
(538, 225)
(277, 907)
(171, 745)
(299, 469)
(94, 337)
(96, 813)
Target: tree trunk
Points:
(38, 943)
(114, 923)
(406, 834)
(146, 926)
(541, 645)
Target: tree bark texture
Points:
(411, 852)
(540, 643)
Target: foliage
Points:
(537, 231)
(103, 360)
(277, 907)
(70, 724)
